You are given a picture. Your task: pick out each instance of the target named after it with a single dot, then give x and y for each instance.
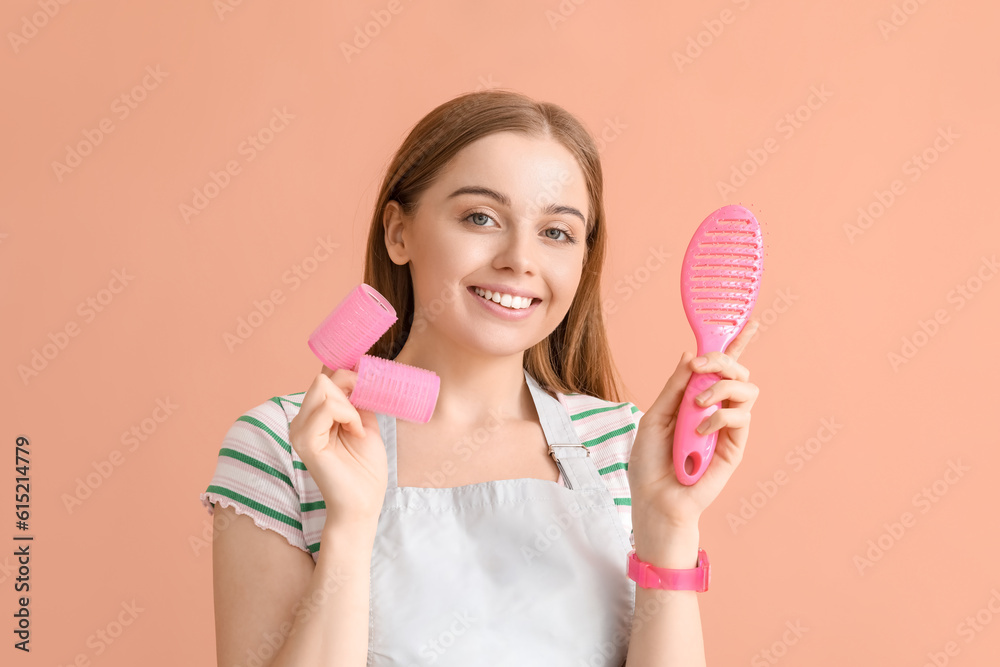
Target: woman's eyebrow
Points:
(551, 209)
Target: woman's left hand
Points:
(659, 500)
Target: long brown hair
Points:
(575, 357)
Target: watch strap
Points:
(650, 576)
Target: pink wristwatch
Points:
(649, 576)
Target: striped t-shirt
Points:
(259, 474)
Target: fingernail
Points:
(700, 361)
(702, 427)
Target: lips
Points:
(531, 300)
(508, 289)
(504, 312)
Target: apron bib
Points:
(517, 572)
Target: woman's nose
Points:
(517, 251)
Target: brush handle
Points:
(688, 443)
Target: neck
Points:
(474, 387)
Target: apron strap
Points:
(572, 457)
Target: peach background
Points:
(832, 309)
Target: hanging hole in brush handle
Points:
(692, 450)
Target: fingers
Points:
(315, 395)
(738, 393)
(673, 391)
(735, 348)
(733, 418)
(318, 425)
(724, 365)
(326, 402)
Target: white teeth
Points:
(512, 302)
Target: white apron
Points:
(516, 572)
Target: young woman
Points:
(496, 533)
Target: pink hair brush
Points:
(386, 386)
(720, 280)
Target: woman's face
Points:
(509, 211)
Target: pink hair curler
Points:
(386, 386)
(720, 280)
(383, 385)
(352, 328)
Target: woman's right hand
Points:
(342, 448)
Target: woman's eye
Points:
(481, 216)
(568, 238)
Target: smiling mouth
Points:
(523, 303)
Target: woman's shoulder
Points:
(271, 418)
(607, 429)
(586, 408)
(289, 404)
(257, 471)
(601, 423)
